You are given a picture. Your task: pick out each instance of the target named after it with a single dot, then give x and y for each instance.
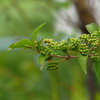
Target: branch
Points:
(71, 56)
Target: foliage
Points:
(85, 46)
(22, 16)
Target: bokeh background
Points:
(20, 74)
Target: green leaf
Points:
(92, 28)
(99, 35)
(97, 69)
(35, 32)
(24, 43)
(41, 60)
(83, 62)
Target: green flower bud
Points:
(52, 65)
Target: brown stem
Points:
(67, 54)
(64, 56)
(67, 57)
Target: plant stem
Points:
(67, 57)
(64, 56)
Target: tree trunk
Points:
(86, 18)
(84, 15)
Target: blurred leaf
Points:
(97, 70)
(24, 43)
(35, 32)
(99, 35)
(63, 4)
(83, 62)
(41, 60)
(92, 28)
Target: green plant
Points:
(84, 47)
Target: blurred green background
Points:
(20, 74)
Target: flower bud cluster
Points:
(45, 50)
(63, 45)
(84, 37)
(94, 57)
(55, 45)
(52, 65)
(75, 43)
(83, 48)
(93, 40)
(48, 40)
(36, 44)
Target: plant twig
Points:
(67, 57)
